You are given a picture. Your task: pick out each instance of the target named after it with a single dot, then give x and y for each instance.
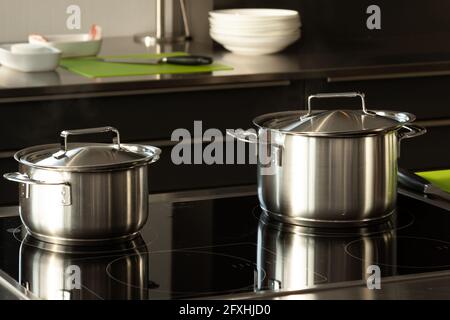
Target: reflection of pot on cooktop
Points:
(294, 257)
(60, 272)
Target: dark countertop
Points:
(432, 286)
(423, 286)
(427, 286)
(336, 62)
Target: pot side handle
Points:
(247, 136)
(23, 178)
(411, 131)
(156, 155)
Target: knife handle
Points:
(412, 181)
(188, 60)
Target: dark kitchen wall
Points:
(333, 23)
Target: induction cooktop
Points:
(218, 242)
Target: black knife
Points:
(178, 60)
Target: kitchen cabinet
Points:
(427, 152)
(166, 176)
(426, 97)
(145, 117)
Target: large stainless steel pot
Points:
(84, 193)
(329, 167)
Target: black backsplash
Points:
(336, 22)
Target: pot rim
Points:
(386, 113)
(156, 152)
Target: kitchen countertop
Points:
(345, 61)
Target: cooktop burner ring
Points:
(442, 245)
(37, 243)
(321, 277)
(239, 262)
(389, 225)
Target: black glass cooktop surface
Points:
(218, 243)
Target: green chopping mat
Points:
(91, 67)
(440, 178)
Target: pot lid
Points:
(334, 122)
(87, 156)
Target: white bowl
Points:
(30, 62)
(247, 33)
(259, 51)
(255, 45)
(265, 27)
(269, 25)
(246, 40)
(255, 14)
(72, 45)
(256, 23)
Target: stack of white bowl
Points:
(255, 31)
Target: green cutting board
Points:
(440, 178)
(92, 67)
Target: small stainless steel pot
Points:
(329, 167)
(84, 193)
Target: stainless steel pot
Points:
(84, 193)
(329, 167)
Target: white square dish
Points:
(30, 62)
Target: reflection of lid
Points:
(334, 122)
(88, 156)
